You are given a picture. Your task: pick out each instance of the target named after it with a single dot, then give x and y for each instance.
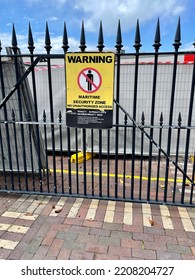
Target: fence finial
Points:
(157, 43)
(65, 45)
(119, 38)
(161, 119)
(137, 44)
(30, 40)
(82, 39)
(14, 41)
(143, 118)
(179, 119)
(100, 45)
(47, 39)
(177, 42)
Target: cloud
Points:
(53, 18)
(127, 11)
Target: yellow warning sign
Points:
(89, 81)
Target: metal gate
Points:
(148, 155)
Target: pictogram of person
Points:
(89, 80)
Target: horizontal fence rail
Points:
(148, 154)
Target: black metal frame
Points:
(83, 179)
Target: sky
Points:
(91, 12)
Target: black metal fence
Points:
(148, 155)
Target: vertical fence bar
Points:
(176, 157)
(6, 124)
(61, 151)
(100, 47)
(31, 151)
(84, 163)
(159, 154)
(82, 48)
(176, 45)
(124, 155)
(77, 164)
(37, 140)
(92, 165)
(46, 155)
(192, 191)
(3, 160)
(65, 48)
(17, 72)
(16, 149)
(141, 156)
(100, 162)
(137, 47)
(190, 115)
(118, 57)
(108, 164)
(48, 49)
(69, 161)
(156, 45)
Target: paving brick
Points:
(7, 220)
(93, 224)
(120, 234)
(87, 238)
(34, 245)
(176, 233)
(64, 254)
(99, 231)
(191, 235)
(48, 240)
(12, 236)
(100, 214)
(133, 228)
(109, 241)
(96, 248)
(137, 219)
(165, 239)
(77, 255)
(60, 227)
(18, 229)
(186, 241)
(112, 226)
(44, 229)
(179, 249)
(130, 243)
(119, 251)
(193, 250)
(106, 257)
(79, 229)
(164, 255)
(29, 235)
(72, 244)
(5, 253)
(41, 252)
(187, 257)
(8, 244)
(157, 245)
(177, 223)
(154, 230)
(55, 248)
(70, 221)
(143, 236)
(67, 235)
(144, 254)
(23, 222)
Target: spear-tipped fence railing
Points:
(148, 155)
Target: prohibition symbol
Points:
(89, 80)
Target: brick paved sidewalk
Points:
(46, 227)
